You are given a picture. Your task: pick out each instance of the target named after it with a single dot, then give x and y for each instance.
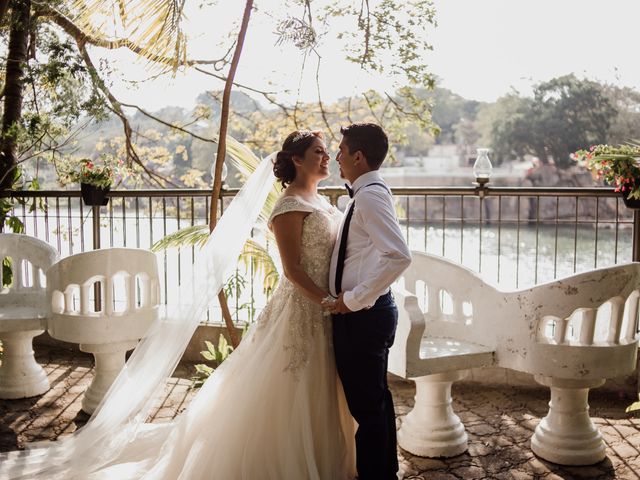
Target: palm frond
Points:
(152, 26)
(195, 235)
(258, 258)
(246, 162)
(253, 254)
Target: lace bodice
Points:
(303, 319)
(318, 236)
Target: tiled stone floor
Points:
(499, 420)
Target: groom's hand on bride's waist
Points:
(339, 306)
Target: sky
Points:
(482, 49)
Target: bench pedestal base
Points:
(567, 435)
(432, 429)
(20, 375)
(110, 358)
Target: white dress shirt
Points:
(376, 251)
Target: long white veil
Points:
(127, 404)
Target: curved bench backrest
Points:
(30, 260)
(570, 322)
(599, 307)
(127, 277)
(456, 301)
(553, 329)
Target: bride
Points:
(274, 409)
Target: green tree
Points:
(448, 110)
(504, 127)
(467, 137)
(625, 126)
(68, 86)
(565, 114)
(19, 27)
(569, 113)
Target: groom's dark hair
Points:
(369, 139)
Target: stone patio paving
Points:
(499, 420)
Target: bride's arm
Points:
(287, 228)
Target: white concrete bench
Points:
(128, 282)
(23, 314)
(571, 334)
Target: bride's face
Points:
(315, 162)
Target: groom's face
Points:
(346, 161)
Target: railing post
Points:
(635, 254)
(96, 226)
(96, 246)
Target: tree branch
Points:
(320, 104)
(115, 106)
(367, 31)
(170, 125)
(377, 118)
(222, 150)
(401, 109)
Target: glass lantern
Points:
(482, 167)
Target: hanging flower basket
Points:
(629, 202)
(93, 195)
(617, 166)
(95, 177)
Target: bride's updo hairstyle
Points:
(295, 145)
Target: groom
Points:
(370, 253)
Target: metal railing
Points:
(513, 236)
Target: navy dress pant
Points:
(361, 341)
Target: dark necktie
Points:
(343, 248)
(349, 190)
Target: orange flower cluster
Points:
(617, 166)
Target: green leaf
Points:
(223, 347)
(634, 407)
(258, 258)
(208, 355)
(195, 235)
(7, 272)
(15, 224)
(203, 369)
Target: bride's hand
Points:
(339, 306)
(328, 303)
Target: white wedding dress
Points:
(275, 408)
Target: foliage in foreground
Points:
(216, 354)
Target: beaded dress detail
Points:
(307, 325)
